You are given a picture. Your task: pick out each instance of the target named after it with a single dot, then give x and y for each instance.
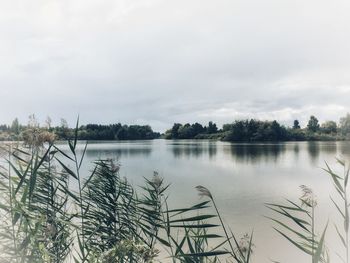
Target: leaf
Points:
(194, 218)
(22, 177)
(82, 157)
(290, 229)
(67, 169)
(195, 207)
(294, 242)
(76, 132)
(340, 235)
(195, 226)
(335, 178)
(298, 221)
(346, 221)
(250, 247)
(71, 147)
(340, 161)
(63, 153)
(207, 254)
(33, 177)
(339, 210)
(320, 247)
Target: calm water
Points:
(242, 177)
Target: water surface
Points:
(241, 176)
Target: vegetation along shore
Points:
(248, 130)
(53, 211)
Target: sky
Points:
(161, 61)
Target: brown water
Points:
(242, 177)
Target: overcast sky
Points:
(161, 61)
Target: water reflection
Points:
(194, 149)
(254, 153)
(243, 176)
(313, 149)
(118, 152)
(240, 152)
(296, 149)
(344, 149)
(212, 150)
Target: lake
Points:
(241, 176)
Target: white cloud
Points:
(164, 61)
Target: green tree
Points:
(212, 128)
(227, 127)
(175, 130)
(197, 128)
(236, 132)
(329, 127)
(185, 132)
(313, 124)
(296, 125)
(277, 131)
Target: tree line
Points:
(239, 130)
(118, 131)
(257, 130)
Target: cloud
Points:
(158, 62)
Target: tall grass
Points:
(340, 183)
(297, 223)
(106, 219)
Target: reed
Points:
(340, 183)
(106, 219)
(296, 223)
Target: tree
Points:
(329, 127)
(296, 125)
(212, 128)
(236, 133)
(175, 130)
(185, 132)
(197, 128)
(15, 126)
(344, 124)
(227, 127)
(313, 125)
(277, 131)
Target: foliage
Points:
(116, 132)
(344, 125)
(313, 125)
(253, 130)
(238, 131)
(35, 220)
(296, 124)
(51, 212)
(297, 225)
(340, 183)
(329, 127)
(190, 131)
